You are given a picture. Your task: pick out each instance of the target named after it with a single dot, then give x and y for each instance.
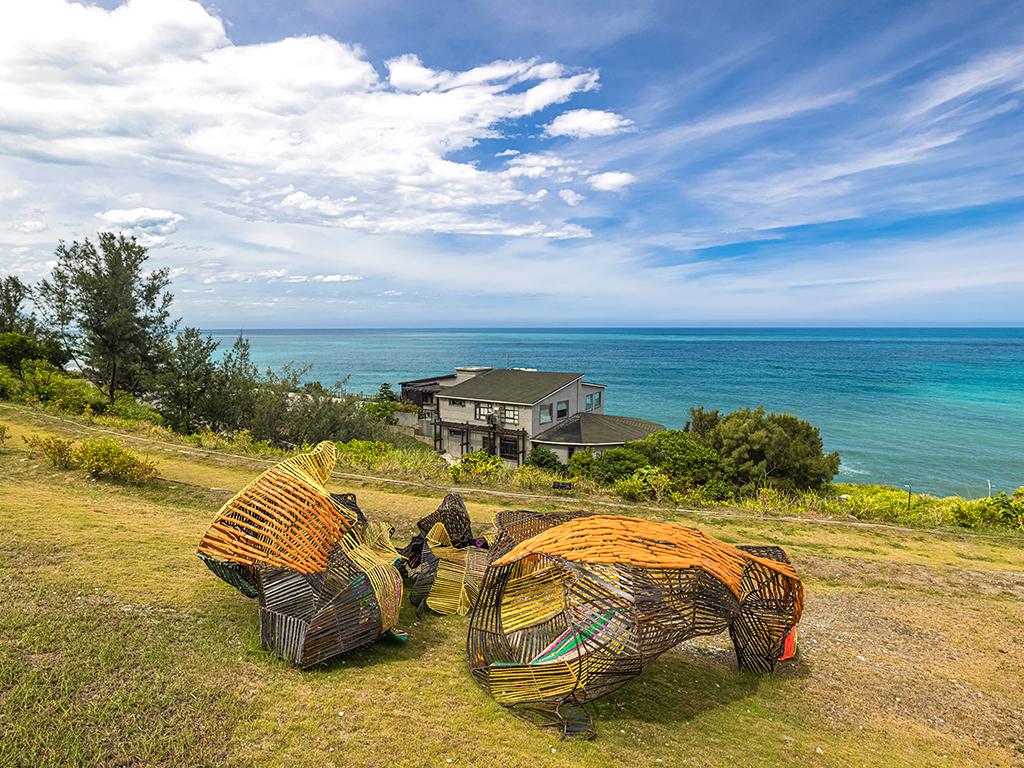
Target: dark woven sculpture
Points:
(324, 576)
(446, 563)
(582, 607)
(453, 515)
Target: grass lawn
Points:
(118, 647)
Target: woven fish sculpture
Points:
(581, 607)
(445, 561)
(324, 576)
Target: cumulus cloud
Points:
(580, 123)
(161, 80)
(149, 225)
(612, 181)
(571, 197)
(31, 226)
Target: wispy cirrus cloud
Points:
(774, 165)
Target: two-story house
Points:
(507, 411)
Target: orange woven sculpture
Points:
(577, 610)
(324, 576)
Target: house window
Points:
(456, 403)
(590, 402)
(597, 399)
(546, 413)
(562, 409)
(455, 435)
(510, 414)
(483, 410)
(509, 449)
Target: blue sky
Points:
(332, 164)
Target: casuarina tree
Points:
(110, 312)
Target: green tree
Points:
(385, 394)
(188, 382)
(232, 396)
(701, 421)
(13, 316)
(15, 347)
(546, 459)
(681, 455)
(112, 315)
(616, 463)
(771, 449)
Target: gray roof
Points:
(597, 429)
(511, 385)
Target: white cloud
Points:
(1000, 69)
(612, 181)
(149, 225)
(159, 81)
(274, 276)
(335, 278)
(580, 123)
(571, 197)
(507, 153)
(31, 226)
(8, 195)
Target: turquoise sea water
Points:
(941, 409)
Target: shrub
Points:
(240, 440)
(104, 457)
(477, 464)
(546, 459)
(534, 478)
(681, 455)
(616, 463)
(4, 434)
(58, 451)
(10, 385)
(581, 464)
(364, 453)
(645, 483)
(127, 407)
(714, 491)
(771, 449)
(43, 383)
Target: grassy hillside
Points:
(117, 647)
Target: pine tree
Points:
(111, 315)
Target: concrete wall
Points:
(467, 413)
(570, 393)
(591, 390)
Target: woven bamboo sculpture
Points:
(324, 576)
(580, 608)
(446, 562)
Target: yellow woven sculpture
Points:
(446, 562)
(458, 574)
(582, 607)
(324, 576)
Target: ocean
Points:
(939, 409)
